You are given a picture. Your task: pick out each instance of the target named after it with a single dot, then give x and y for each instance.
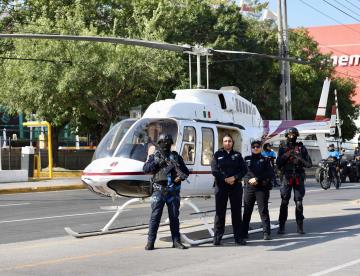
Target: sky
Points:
(301, 15)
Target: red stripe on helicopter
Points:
(135, 173)
(114, 173)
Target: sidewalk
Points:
(42, 185)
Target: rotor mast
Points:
(199, 51)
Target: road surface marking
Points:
(15, 204)
(63, 216)
(335, 268)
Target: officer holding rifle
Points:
(292, 159)
(168, 169)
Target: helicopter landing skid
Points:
(106, 229)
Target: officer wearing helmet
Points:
(334, 159)
(168, 169)
(357, 149)
(357, 159)
(258, 183)
(292, 159)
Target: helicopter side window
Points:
(222, 101)
(207, 146)
(188, 147)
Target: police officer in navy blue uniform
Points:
(292, 159)
(166, 189)
(258, 183)
(228, 168)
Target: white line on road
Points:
(283, 245)
(15, 204)
(63, 216)
(327, 271)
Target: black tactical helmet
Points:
(165, 139)
(292, 130)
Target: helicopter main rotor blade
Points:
(295, 60)
(115, 40)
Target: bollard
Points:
(27, 160)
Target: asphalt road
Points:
(35, 243)
(34, 216)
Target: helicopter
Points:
(196, 118)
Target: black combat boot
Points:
(149, 246)
(217, 240)
(281, 230)
(300, 227)
(240, 242)
(267, 237)
(177, 244)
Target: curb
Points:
(42, 189)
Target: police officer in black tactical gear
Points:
(357, 159)
(228, 168)
(169, 170)
(292, 159)
(258, 183)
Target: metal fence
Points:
(71, 159)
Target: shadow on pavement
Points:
(318, 230)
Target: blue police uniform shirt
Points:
(269, 154)
(334, 154)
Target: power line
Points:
(337, 21)
(340, 10)
(352, 4)
(349, 76)
(324, 14)
(346, 7)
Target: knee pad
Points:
(284, 201)
(299, 205)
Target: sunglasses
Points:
(256, 147)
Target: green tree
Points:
(103, 81)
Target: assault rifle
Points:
(291, 153)
(170, 164)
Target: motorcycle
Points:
(325, 175)
(348, 169)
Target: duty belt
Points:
(166, 189)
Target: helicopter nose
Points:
(118, 176)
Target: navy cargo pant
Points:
(172, 200)
(261, 196)
(222, 193)
(289, 184)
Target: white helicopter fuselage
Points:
(197, 120)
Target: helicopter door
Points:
(188, 153)
(204, 178)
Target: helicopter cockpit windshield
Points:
(112, 138)
(138, 143)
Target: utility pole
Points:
(285, 87)
(281, 62)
